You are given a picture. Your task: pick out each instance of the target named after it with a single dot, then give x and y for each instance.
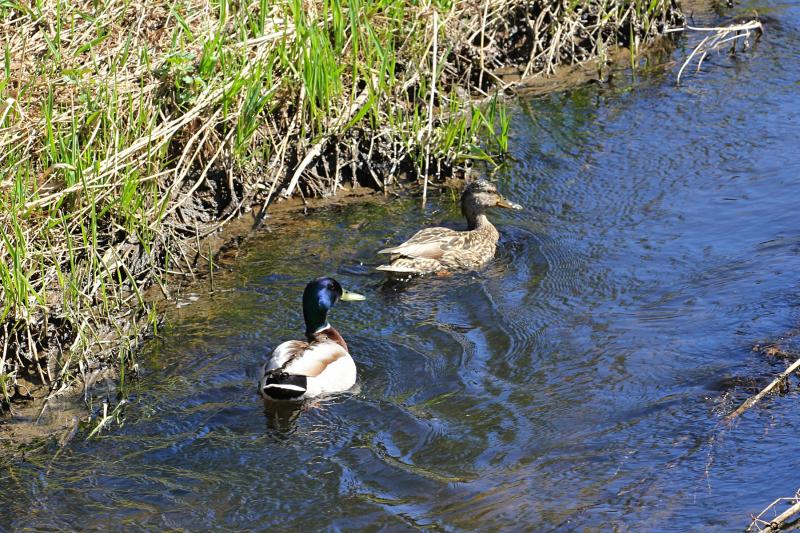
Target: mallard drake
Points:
(434, 250)
(297, 370)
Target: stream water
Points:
(579, 382)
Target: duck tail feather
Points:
(283, 386)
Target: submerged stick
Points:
(766, 390)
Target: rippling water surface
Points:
(578, 382)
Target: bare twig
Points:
(430, 105)
(762, 525)
(766, 390)
(720, 36)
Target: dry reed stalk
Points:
(316, 149)
(718, 38)
(434, 58)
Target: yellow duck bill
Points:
(348, 296)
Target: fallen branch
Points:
(779, 522)
(766, 390)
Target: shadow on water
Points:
(578, 382)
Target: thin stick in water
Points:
(766, 390)
(211, 265)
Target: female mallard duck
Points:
(434, 250)
(298, 369)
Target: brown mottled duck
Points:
(441, 250)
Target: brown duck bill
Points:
(502, 202)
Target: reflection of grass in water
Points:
(108, 418)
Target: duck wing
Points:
(285, 376)
(429, 243)
(303, 359)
